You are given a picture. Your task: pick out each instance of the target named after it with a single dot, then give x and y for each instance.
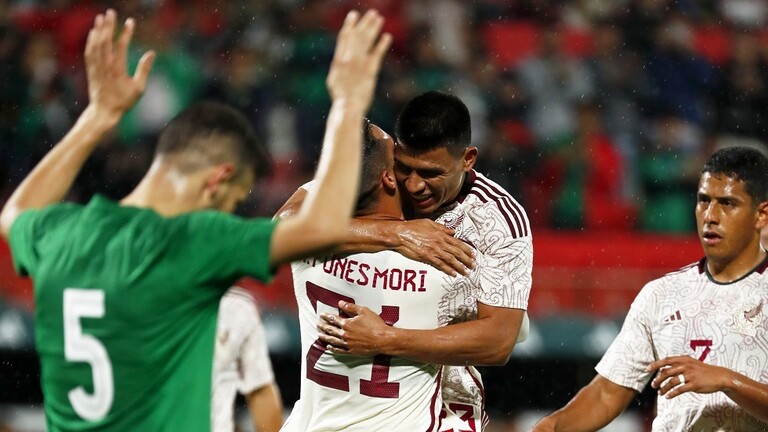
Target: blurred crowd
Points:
(596, 114)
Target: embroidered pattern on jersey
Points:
(748, 317)
(719, 325)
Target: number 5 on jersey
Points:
(379, 385)
(81, 347)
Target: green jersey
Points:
(125, 309)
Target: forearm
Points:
(363, 235)
(368, 236)
(266, 408)
(51, 179)
(457, 344)
(323, 219)
(750, 395)
(486, 341)
(593, 407)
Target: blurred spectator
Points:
(45, 113)
(589, 194)
(450, 32)
(623, 87)
(743, 100)
(13, 96)
(242, 81)
(745, 13)
(308, 66)
(641, 20)
(556, 84)
(669, 169)
(174, 83)
(681, 79)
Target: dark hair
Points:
(375, 160)
(209, 133)
(745, 164)
(434, 120)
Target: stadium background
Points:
(596, 115)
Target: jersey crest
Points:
(748, 317)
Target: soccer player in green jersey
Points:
(127, 292)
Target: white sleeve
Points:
(506, 275)
(255, 365)
(632, 351)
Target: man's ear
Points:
(762, 215)
(218, 175)
(468, 159)
(389, 181)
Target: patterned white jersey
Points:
(241, 359)
(351, 393)
(488, 218)
(485, 216)
(688, 313)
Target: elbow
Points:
(498, 358)
(500, 353)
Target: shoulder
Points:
(238, 305)
(487, 196)
(672, 281)
(694, 270)
(237, 298)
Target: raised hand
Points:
(111, 90)
(357, 59)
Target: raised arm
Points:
(592, 408)
(323, 218)
(421, 240)
(111, 92)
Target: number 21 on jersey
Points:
(378, 386)
(81, 347)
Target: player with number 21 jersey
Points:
(342, 392)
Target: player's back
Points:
(341, 392)
(125, 316)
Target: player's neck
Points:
(386, 208)
(164, 191)
(737, 268)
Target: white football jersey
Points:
(688, 313)
(350, 393)
(488, 218)
(241, 358)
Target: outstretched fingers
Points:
(121, 49)
(344, 38)
(142, 70)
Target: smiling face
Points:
(432, 178)
(729, 223)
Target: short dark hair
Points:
(209, 133)
(374, 160)
(434, 120)
(745, 164)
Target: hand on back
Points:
(427, 241)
